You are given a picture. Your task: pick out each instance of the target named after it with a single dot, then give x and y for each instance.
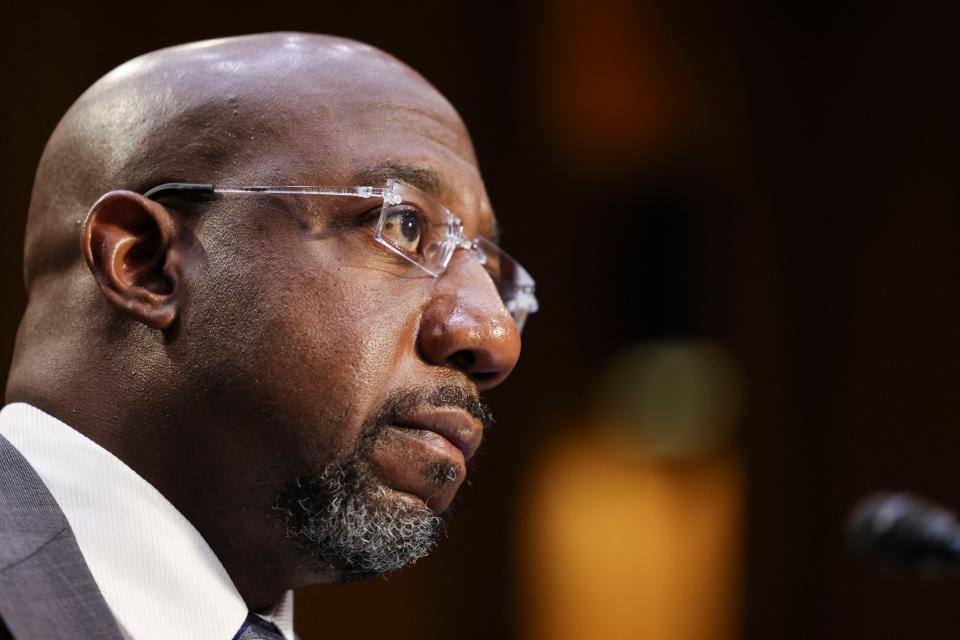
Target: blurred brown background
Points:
(761, 201)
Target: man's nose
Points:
(467, 327)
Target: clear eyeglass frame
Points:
(441, 233)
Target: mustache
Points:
(399, 404)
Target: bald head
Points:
(212, 110)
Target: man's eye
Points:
(403, 227)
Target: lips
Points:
(426, 453)
(456, 426)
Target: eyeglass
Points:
(412, 225)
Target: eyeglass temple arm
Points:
(188, 188)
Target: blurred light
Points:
(632, 523)
(613, 90)
(679, 398)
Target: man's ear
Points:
(130, 244)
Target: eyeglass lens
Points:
(423, 231)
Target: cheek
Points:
(331, 342)
(350, 318)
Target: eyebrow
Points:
(423, 178)
(427, 180)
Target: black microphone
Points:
(905, 532)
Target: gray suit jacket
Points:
(46, 590)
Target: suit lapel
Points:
(46, 589)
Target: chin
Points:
(349, 525)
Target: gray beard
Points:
(347, 521)
(344, 519)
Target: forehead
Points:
(296, 109)
(374, 131)
(439, 162)
(291, 109)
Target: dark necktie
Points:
(256, 628)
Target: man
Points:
(220, 393)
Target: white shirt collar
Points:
(156, 572)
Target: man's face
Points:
(351, 377)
